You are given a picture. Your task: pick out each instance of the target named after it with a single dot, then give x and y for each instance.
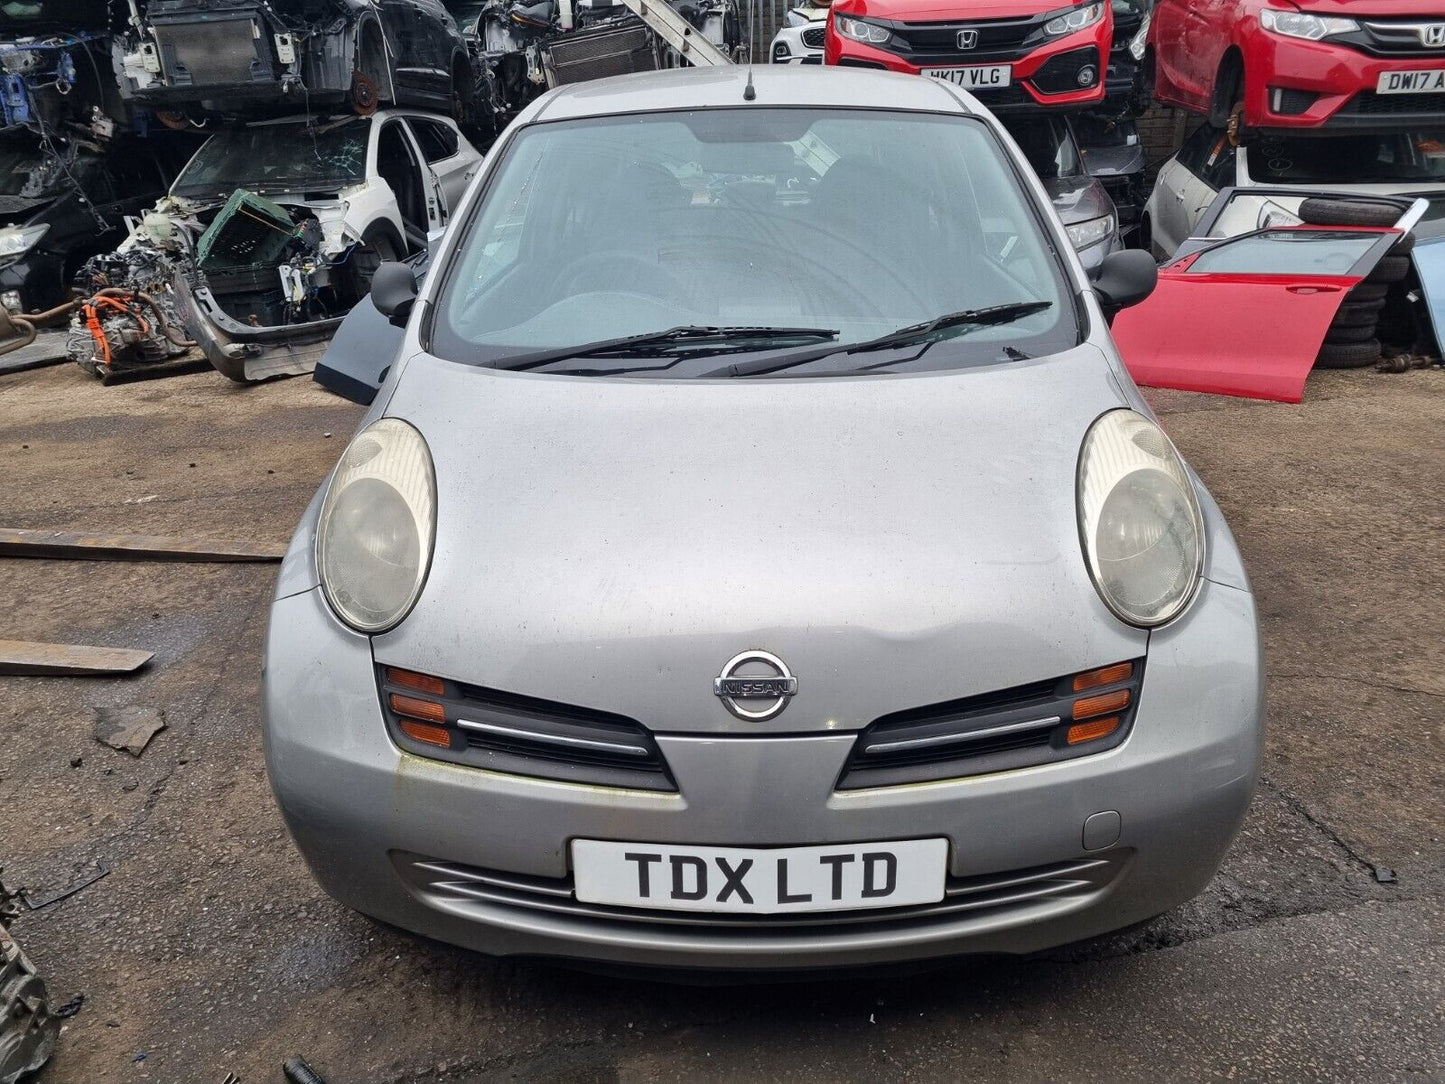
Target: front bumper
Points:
(1291, 83)
(1025, 91)
(371, 820)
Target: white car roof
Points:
(776, 84)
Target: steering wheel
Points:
(612, 270)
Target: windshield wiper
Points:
(652, 341)
(927, 332)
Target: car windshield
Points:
(849, 222)
(28, 172)
(1366, 158)
(275, 157)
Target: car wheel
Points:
(1337, 334)
(1345, 212)
(1358, 314)
(1390, 269)
(1348, 355)
(1367, 291)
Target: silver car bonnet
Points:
(896, 541)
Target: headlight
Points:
(1299, 24)
(377, 526)
(1140, 40)
(1084, 234)
(18, 240)
(1074, 19)
(858, 30)
(1139, 520)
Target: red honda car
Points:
(1010, 53)
(1302, 63)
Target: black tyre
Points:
(1390, 269)
(1349, 334)
(1367, 291)
(1404, 246)
(1347, 212)
(1363, 314)
(1348, 355)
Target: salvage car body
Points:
(1367, 64)
(346, 194)
(55, 67)
(59, 207)
(1115, 157)
(189, 56)
(1405, 163)
(597, 542)
(1128, 82)
(1013, 54)
(1243, 308)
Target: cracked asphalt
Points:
(1315, 954)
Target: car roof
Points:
(775, 84)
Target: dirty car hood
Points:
(612, 543)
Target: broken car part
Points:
(15, 542)
(26, 657)
(28, 1030)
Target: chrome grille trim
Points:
(553, 739)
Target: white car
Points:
(343, 195)
(1364, 163)
(800, 41)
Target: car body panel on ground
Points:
(1013, 54)
(1373, 65)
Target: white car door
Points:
(1187, 185)
(452, 160)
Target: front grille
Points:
(1060, 74)
(998, 39)
(999, 731)
(521, 735)
(980, 895)
(813, 36)
(1390, 37)
(1368, 103)
(223, 51)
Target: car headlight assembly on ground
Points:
(1299, 24)
(1084, 234)
(1139, 519)
(1073, 19)
(18, 240)
(377, 526)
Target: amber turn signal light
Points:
(1094, 728)
(426, 732)
(1089, 706)
(1105, 675)
(418, 708)
(421, 682)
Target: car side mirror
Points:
(393, 291)
(1124, 278)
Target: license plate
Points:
(1426, 81)
(975, 78)
(760, 880)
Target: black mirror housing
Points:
(393, 292)
(1124, 278)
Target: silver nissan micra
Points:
(759, 558)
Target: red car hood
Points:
(961, 10)
(1364, 9)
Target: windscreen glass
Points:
(856, 221)
(1287, 252)
(1366, 158)
(272, 157)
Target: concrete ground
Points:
(208, 949)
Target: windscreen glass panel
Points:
(278, 157)
(859, 221)
(1366, 158)
(1287, 252)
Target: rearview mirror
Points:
(393, 291)
(1123, 279)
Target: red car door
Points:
(1246, 315)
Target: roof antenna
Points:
(749, 91)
